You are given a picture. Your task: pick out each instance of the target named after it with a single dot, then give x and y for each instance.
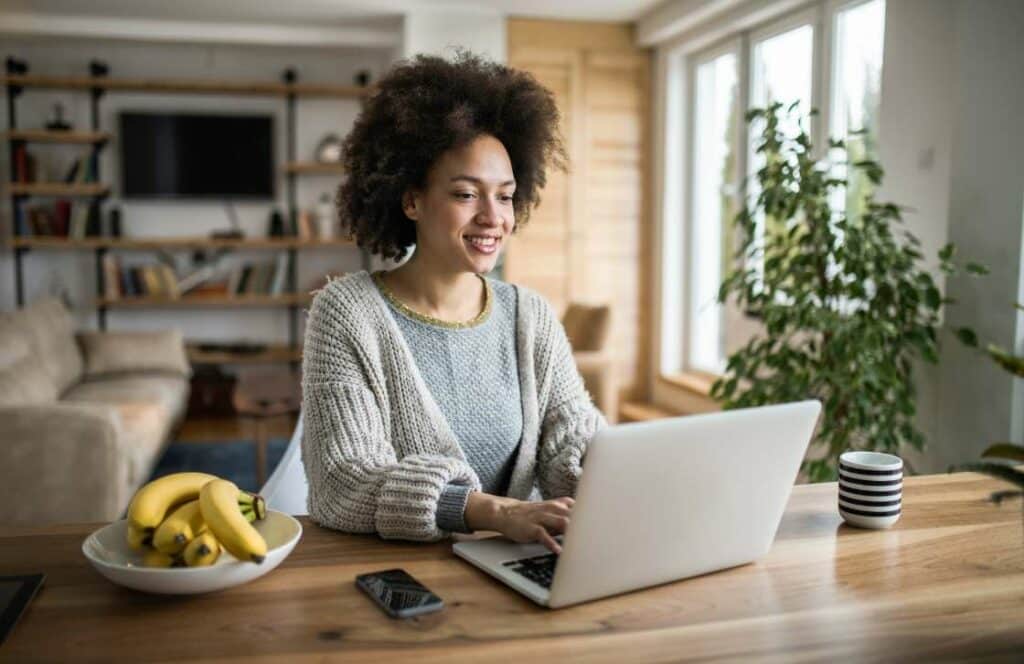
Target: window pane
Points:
(713, 169)
(781, 70)
(856, 81)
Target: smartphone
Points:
(398, 594)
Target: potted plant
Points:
(846, 302)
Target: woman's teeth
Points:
(484, 244)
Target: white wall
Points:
(986, 210)
(437, 32)
(75, 272)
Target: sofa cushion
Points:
(167, 391)
(26, 383)
(149, 406)
(124, 352)
(47, 326)
(13, 344)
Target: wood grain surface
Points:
(945, 583)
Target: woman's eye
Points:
(463, 195)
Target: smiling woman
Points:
(436, 399)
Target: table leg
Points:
(261, 453)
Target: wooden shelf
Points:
(189, 301)
(188, 242)
(313, 167)
(256, 88)
(51, 136)
(58, 189)
(272, 354)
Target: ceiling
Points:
(368, 13)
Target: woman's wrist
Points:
(485, 511)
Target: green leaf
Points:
(976, 269)
(967, 337)
(1005, 451)
(946, 253)
(1006, 360)
(999, 471)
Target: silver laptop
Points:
(661, 501)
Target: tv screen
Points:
(181, 155)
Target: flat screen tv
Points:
(185, 155)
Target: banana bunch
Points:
(187, 519)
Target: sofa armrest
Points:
(597, 369)
(61, 463)
(107, 353)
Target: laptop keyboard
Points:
(539, 569)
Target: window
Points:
(713, 183)
(857, 79)
(782, 61)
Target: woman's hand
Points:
(520, 521)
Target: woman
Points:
(435, 399)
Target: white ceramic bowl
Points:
(108, 551)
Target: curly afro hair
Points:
(424, 107)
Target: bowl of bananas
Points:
(190, 533)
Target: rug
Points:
(232, 460)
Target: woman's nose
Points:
(490, 212)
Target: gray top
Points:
(377, 450)
(472, 373)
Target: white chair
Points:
(286, 488)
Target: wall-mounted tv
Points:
(205, 156)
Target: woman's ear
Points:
(410, 204)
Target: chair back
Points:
(587, 326)
(287, 488)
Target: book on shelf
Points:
(111, 277)
(74, 220)
(259, 278)
(83, 169)
(25, 165)
(138, 280)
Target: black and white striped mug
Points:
(870, 489)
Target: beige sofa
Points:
(83, 417)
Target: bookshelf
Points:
(189, 86)
(313, 167)
(269, 354)
(59, 189)
(219, 301)
(51, 136)
(98, 85)
(154, 244)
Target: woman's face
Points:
(465, 214)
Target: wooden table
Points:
(947, 582)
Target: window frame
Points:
(735, 45)
(673, 364)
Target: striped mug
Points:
(870, 489)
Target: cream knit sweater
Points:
(376, 448)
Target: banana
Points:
(218, 501)
(154, 558)
(138, 539)
(152, 502)
(186, 523)
(203, 550)
(254, 503)
(178, 529)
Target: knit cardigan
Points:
(376, 448)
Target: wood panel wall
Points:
(590, 239)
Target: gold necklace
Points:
(378, 278)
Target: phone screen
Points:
(398, 593)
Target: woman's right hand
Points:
(520, 520)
